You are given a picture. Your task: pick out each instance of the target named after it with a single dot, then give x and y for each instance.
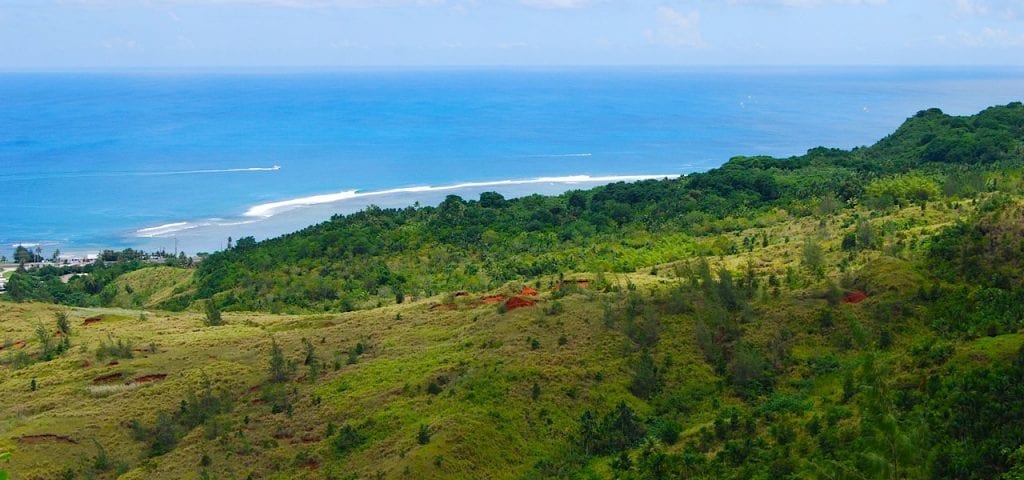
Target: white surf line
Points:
(560, 155)
(266, 210)
(164, 229)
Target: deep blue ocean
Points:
(91, 160)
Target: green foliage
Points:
(4, 458)
(423, 435)
(213, 317)
(198, 408)
(280, 368)
(63, 325)
(347, 439)
(646, 377)
(114, 348)
(618, 430)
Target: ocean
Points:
(164, 160)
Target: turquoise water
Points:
(94, 160)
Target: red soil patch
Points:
(519, 302)
(19, 344)
(91, 320)
(311, 464)
(85, 364)
(492, 299)
(855, 296)
(310, 439)
(109, 378)
(47, 438)
(156, 377)
(443, 306)
(529, 291)
(283, 435)
(113, 363)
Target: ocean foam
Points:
(162, 230)
(267, 210)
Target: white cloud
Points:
(1007, 9)
(807, 3)
(676, 29)
(271, 3)
(556, 3)
(989, 37)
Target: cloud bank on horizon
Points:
(71, 34)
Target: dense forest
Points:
(841, 314)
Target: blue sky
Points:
(73, 34)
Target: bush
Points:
(119, 348)
(423, 436)
(213, 317)
(346, 440)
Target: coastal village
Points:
(60, 260)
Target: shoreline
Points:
(352, 200)
(272, 219)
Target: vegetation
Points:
(834, 315)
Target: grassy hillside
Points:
(149, 287)
(756, 385)
(837, 315)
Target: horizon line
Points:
(440, 67)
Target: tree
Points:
(213, 318)
(865, 234)
(423, 436)
(588, 432)
(46, 350)
(164, 435)
(23, 255)
(63, 325)
(749, 370)
(646, 377)
(278, 364)
(347, 439)
(813, 258)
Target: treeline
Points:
(381, 255)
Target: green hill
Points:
(149, 287)
(836, 315)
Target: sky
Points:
(127, 34)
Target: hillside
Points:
(709, 332)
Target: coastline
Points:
(271, 219)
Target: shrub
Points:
(423, 436)
(63, 325)
(213, 317)
(347, 439)
(119, 348)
